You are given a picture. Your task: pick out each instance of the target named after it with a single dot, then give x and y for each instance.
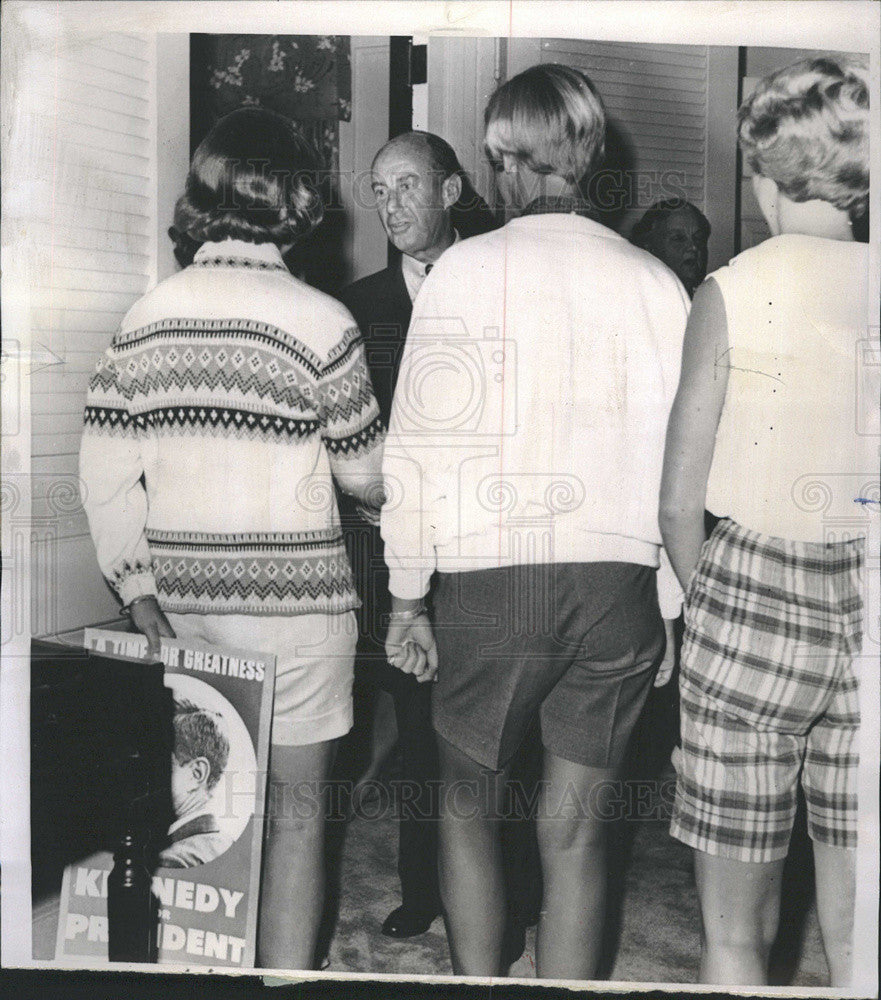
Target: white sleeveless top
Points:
(797, 445)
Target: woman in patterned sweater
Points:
(216, 420)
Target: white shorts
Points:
(314, 670)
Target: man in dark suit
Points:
(425, 203)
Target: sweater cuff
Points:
(137, 585)
(409, 584)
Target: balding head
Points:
(416, 181)
(437, 152)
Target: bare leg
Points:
(740, 909)
(836, 897)
(470, 862)
(292, 886)
(573, 816)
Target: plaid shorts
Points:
(768, 688)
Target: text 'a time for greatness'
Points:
(186, 659)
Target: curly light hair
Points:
(806, 127)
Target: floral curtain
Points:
(305, 77)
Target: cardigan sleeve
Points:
(351, 426)
(419, 458)
(112, 489)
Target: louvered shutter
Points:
(656, 98)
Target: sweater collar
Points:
(238, 253)
(558, 204)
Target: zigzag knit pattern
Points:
(251, 391)
(231, 422)
(253, 573)
(196, 421)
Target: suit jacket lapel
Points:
(401, 297)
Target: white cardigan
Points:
(531, 407)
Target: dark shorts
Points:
(577, 644)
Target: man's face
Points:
(413, 201)
(680, 242)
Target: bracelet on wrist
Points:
(400, 617)
(127, 610)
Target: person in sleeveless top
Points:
(762, 433)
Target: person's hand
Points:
(665, 671)
(369, 514)
(410, 647)
(148, 619)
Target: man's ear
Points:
(768, 196)
(451, 190)
(201, 769)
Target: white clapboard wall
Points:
(656, 100)
(89, 212)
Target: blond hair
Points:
(549, 117)
(806, 127)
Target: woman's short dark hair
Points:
(254, 177)
(807, 128)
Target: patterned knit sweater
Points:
(215, 422)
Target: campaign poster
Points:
(207, 875)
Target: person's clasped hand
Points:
(410, 645)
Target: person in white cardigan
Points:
(523, 464)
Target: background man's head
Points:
(677, 233)
(416, 182)
(199, 757)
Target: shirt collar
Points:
(415, 270)
(238, 253)
(188, 818)
(558, 204)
